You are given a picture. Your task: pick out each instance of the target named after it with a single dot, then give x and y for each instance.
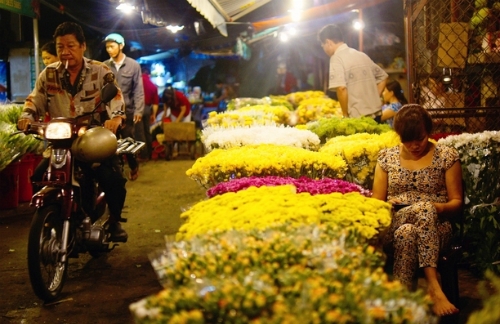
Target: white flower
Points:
(225, 138)
(474, 169)
(480, 158)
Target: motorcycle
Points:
(70, 215)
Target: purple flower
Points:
(303, 184)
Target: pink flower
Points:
(303, 184)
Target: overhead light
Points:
(295, 14)
(284, 37)
(174, 29)
(198, 27)
(298, 4)
(446, 76)
(358, 24)
(125, 7)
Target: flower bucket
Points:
(9, 186)
(26, 168)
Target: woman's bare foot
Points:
(442, 306)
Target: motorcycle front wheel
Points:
(47, 272)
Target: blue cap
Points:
(114, 37)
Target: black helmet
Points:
(96, 145)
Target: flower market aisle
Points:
(101, 290)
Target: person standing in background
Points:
(151, 101)
(129, 78)
(49, 53)
(359, 82)
(394, 99)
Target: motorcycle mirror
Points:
(108, 92)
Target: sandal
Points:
(134, 174)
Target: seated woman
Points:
(394, 99)
(427, 177)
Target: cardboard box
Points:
(453, 42)
(179, 131)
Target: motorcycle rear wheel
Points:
(47, 272)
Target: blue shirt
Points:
(394, 107)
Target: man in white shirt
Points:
(358, 81)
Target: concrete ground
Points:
(100, 290)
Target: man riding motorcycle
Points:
(69, 88)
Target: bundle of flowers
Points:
(316, 108)
(10, 113)
(302, 184)
(239, 118)
(263, 160)
(281, 113)
(360, 151)
(258, 208)
(296, 97)
(327, 128)
(224, 138)
(284, 274)
(480, 158)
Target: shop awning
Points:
(219, 12)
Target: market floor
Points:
(100, 290)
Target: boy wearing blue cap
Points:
(129, 78)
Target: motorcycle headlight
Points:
(58, 130)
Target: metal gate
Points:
(454, 62)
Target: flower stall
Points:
(286, 231)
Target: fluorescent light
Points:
(125, 8)
(174, 29)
